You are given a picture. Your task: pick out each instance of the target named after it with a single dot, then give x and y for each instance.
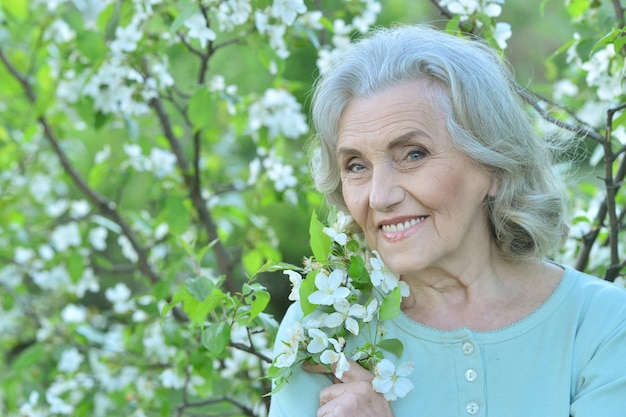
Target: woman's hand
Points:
(352, 395)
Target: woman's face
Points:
(418, 200)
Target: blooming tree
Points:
(145, 147)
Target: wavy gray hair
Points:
(485, 118)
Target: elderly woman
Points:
(422, 138)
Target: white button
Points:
(471, 408)
(468, 348)
(470, 375)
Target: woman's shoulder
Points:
(599, 304)
(592, 290)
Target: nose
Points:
(385, 190)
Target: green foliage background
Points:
(142, 213)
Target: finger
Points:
(356, 373)
(316, 368)
(330, 393)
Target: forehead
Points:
(408, 109)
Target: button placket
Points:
(470, 368)
(472, 408)
(471, 375)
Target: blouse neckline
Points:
(525, 324)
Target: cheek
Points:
(356, 201)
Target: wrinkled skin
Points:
(352, 395)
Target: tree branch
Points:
(108, 208)
(619, 12)
(195, 194)
(612, 185)
(578, 129)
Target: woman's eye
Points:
(415, 154)
(355, 167)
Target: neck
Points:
(481, 296)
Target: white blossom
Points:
(289, 348)
(90, 10)
(367, 19)
(54, 279)
(87, 282)
(277, 40)
(563, 88)
(381, 276)
(261, 21)
(79, 208)
(336, 356)
(296, 281)
(281, 175)
(311, 20)
(119, 296)
(346, 313)
(233, 13)
(329, 288)
(126, 39)
(60, 32)
(337, 230)
(73, 313)
(287, 10)
(391, 382)
(170, 379)
(97, 237)
(198, 29)
(23, 255)
(155, 345)
(159, 70)
(30, 408)
(46, 252)
(70, 361)
(502, 33)
(318, 342)
(162, 161)
(127, 249)
(280, 112)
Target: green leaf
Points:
(200, 287)
(29, 357)
(357, 270)
(278, 266)
(390, 306)
(453, 24)
(606, 39)
(16, 8)
(216, 338)
(257, 301)
(197, 309)
(320, 241)
(307, 288)
(577, 8)
(199, 110)
(393, 346)
(252, 260)
(92, 45)
(189, 10)
(75, 263)
(175, 214)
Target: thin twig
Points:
(195, 194)
(578, 129)
(619, 13)
(108, 208)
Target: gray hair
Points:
(485, 118)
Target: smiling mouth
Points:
(400, 227)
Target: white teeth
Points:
(393, 228)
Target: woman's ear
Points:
(494, 184)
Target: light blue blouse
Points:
(567, 358)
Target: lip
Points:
(401, 227)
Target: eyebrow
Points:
(407, 137)
(394, 143)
